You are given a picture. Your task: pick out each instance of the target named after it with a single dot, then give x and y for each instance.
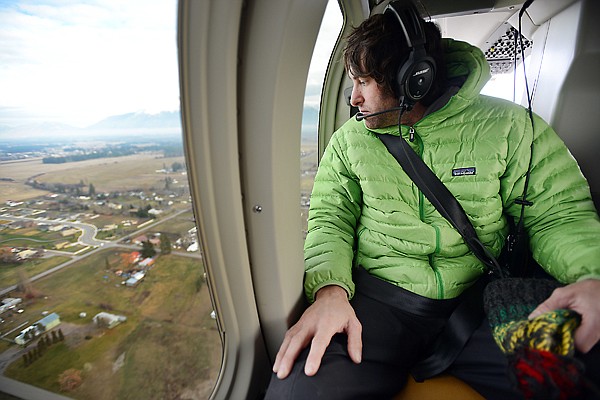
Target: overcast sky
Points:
(77, 62)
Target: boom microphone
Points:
(360, 116)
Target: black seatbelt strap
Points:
(439, 195)
(468, 315)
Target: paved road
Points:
(89, 231)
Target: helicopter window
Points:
(90, 141)
(328, 34)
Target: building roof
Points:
(48, 319)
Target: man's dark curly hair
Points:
(377, 47)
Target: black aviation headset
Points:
(416, 74)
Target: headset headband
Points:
(416, 74)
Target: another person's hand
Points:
(583, 297)
(331, 313)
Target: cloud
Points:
(82, 61)
(330, 29)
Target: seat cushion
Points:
(441, 387)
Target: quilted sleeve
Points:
(335, 207)
(562, 223)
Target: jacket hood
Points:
(465, 61)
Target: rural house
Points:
(110, 320)
(43, 325)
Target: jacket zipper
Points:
(438, 278)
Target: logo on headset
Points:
(421, 72)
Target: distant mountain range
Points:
(139, 120)
(165, 123)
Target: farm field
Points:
(168, 319)
(9, 274)
(107, 174)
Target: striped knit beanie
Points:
(540, 351)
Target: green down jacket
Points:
(366, 211)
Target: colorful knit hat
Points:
(540, 351)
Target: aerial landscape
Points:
(101, 271)
(97, 248)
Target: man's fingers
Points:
(541, 309)
(355, 342)
(556, 300)
(291, 347)
(321, 342)
(315, 355)
(282, 350)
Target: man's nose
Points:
(356, 98)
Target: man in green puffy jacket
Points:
(367, 215)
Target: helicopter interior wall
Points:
(243, 68)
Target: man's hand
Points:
(583, 297)
(331, 313)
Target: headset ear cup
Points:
(418, 79)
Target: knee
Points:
(296, 386)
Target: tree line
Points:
(113, 152)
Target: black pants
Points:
(394, 339)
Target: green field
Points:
(9, 273)
(168, 346)
(33, 238)
(137, 171)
